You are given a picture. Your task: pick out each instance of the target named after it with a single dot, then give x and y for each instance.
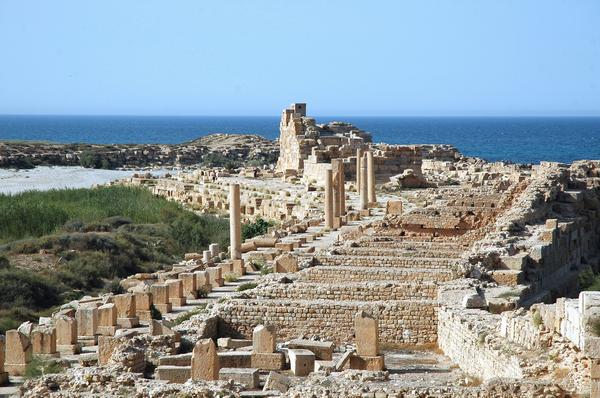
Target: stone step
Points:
(408, 252)
(380, 261)
(332, 274)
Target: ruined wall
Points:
(410, 322)
(368, 291)
(377, 261)
(335, 274)
(465, 337)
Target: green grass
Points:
(186, 316)
(94, 238)
(256, 228)
(40, 366)
(246, 286)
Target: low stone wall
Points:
(404, 322)
(333, 274)
(368, 291)
(407, 253)
(377, 261)
(466, 336)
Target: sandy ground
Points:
(45, 178)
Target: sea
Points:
(514, 139)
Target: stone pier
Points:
(235, 229)
(329, 205)
(371, 178)
(18, 352)
(205, 361)
(363, 191)
(66, 335)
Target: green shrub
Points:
(246, 286)
(155, 313)
(4, 263)
(202, 293)
(40, 366)
(187, 315)
(536, 319)
(231, 277)
(256, 228)
(25, 288)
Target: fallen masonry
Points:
(390, 271)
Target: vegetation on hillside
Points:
(59, 245)
(256, 228)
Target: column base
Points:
(128, 323)
(107, 330)
(87, 341)
(164, 308)
(15, 369)
(268, 361)
(238, 267)
(178, 301)
(373, 363)
(68, 349)
(144, 315)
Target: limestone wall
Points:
(362, 274)
(410, 322)
(368, 291)
(464, 336)
(378, 261)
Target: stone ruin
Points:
(471, 285)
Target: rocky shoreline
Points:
(212, 149)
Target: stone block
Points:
(247, 377)
(277, 381)
(286, 263)
(393, 207)
(190, 291)
(235, 359)
(158, 328)
(366, 331)
(264, 339)
(176, 297)
(324, 366)
(43, 340)
(87, 321)
(125, 305)
(268, 361)
(173, 374)
(323, 350)
(176, 360)
(372, 363)
(517, 262)
(205, 361)
(302, 362)
(228, 342)
(19, 352)
(473, 300)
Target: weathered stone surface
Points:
(205, 362)
(246, 377)
(264, 339)
(302, 362)
(367, 334)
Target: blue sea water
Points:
(522, 140)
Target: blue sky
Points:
(254, 57)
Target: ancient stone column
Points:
(66, 335)
(371, 178)
(264, 344)
(328, 199)
(160, 298)
(367, 334)
(235, 225)
(87, 325)
(364, 193)
(339, 192)
(264, 339)
(43, 340)
(214, 249)
(206, 257)
(126, 316)
(176, 297)
(190, 290)
(107, 319)
(205, 361)
(143, 305)
(18, 353)
(359, 154)
(3, 374)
